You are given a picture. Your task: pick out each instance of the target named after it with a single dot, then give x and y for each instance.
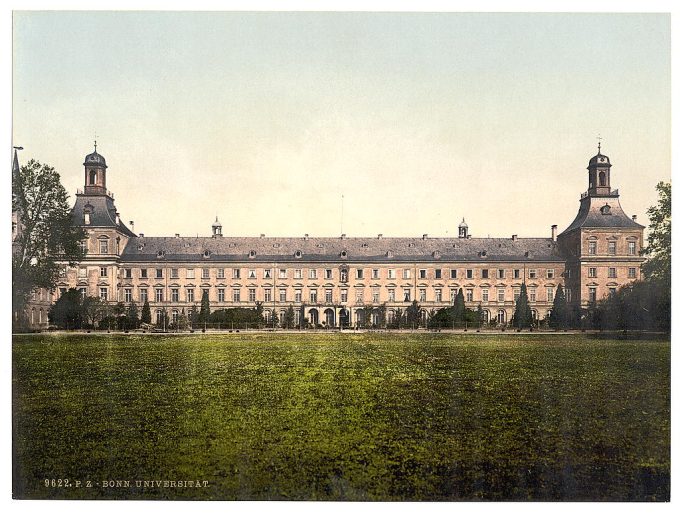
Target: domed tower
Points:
(216, 228)
(602, 244)
(463, 230)
(95, 173)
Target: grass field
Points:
(342, 417)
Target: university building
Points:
(336, 278)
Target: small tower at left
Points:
(95, 172)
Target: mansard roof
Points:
(338, 250)
(601, 212)
(102, 213)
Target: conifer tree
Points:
(559, 313)
(133, 315)
(204, 315)
(146, 313)
(459, 307)
(522, 318)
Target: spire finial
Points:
(95, 141)
(599, 141)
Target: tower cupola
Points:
(95, 172)
(598, 175)
(463, 230)
(216, 228)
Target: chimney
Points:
(262, 236)
(141, 235)
(634, 217)
(132, 226)
(424, 236)
(177, 235)
(117, 218)
(343, 236)
(553, 228)
(306, 236)
(380, 235)
(514, 237)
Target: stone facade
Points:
(335, 278)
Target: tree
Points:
(522, 317)
(204, 315)
(182, 322)
(459, 307)
(133, 316)
(368, 315)
(67, 312)
(479, 314)
(289, 317)
(275, 318)
(48, 237)
(382, 315)
(193, 315)
(119, 313)
(146, 313)
(658, 266)
(559, 313)
(413, 313)
(93, 310)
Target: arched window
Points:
(603, 179)
(93, 177)
(501, 316)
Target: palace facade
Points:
(336, 278)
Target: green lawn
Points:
(343, 416)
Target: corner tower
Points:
(95, 172)
(602, 245)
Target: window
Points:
(375, 274)
(485, 273)
(407, 295)
(175, 316)
(298, 295)
(343, 275)
(632, 272)
(532, 294)
(174, 273)
(422, 274)
(550, 274)
(159, 316)
(83, 291)
(205, 273)
(515, 274)
(612, 290)
(220, 274)
(454, 274)
(612, 272)
(297, 273)
(190, 295)
(515, 293)
(406, 274)
(236, 295)
(236, 274)
(127, 273)
(390, 274)
(174, 294)
(532, 274)
(485, 295)
(312, 274)
(468, 274)
(103, 272)
(343, 295)
(82, 244)
(438, 274)
(500, 273)
(283, 273)
(592, 247)
(501, 295)
(329, 295)
(390, 295)
(251, 295)
(159, 273)
(312, 295)
(360, 274)
(62, 291)
(159, 295)
(611, 247)
(438, 295)
(268, 295)
(190, 274)
(592, 294)
(220, 295)
(376, 295)
(550, 294)
(422, 295)
(592, 272)
(104, 293)
(468, 294)
(87, 217)
(328, 274)
(103, 246)
(567, 273)
(360, 296)
(143, 295)
(453, 292)
(567, 295)
(632, 248)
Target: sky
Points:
(322, 123)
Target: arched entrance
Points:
(313, 316)
(329, 315)
(360, 317)
(501, 317)
(344, 318)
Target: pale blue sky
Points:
(266, 119)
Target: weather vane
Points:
(599, 141)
